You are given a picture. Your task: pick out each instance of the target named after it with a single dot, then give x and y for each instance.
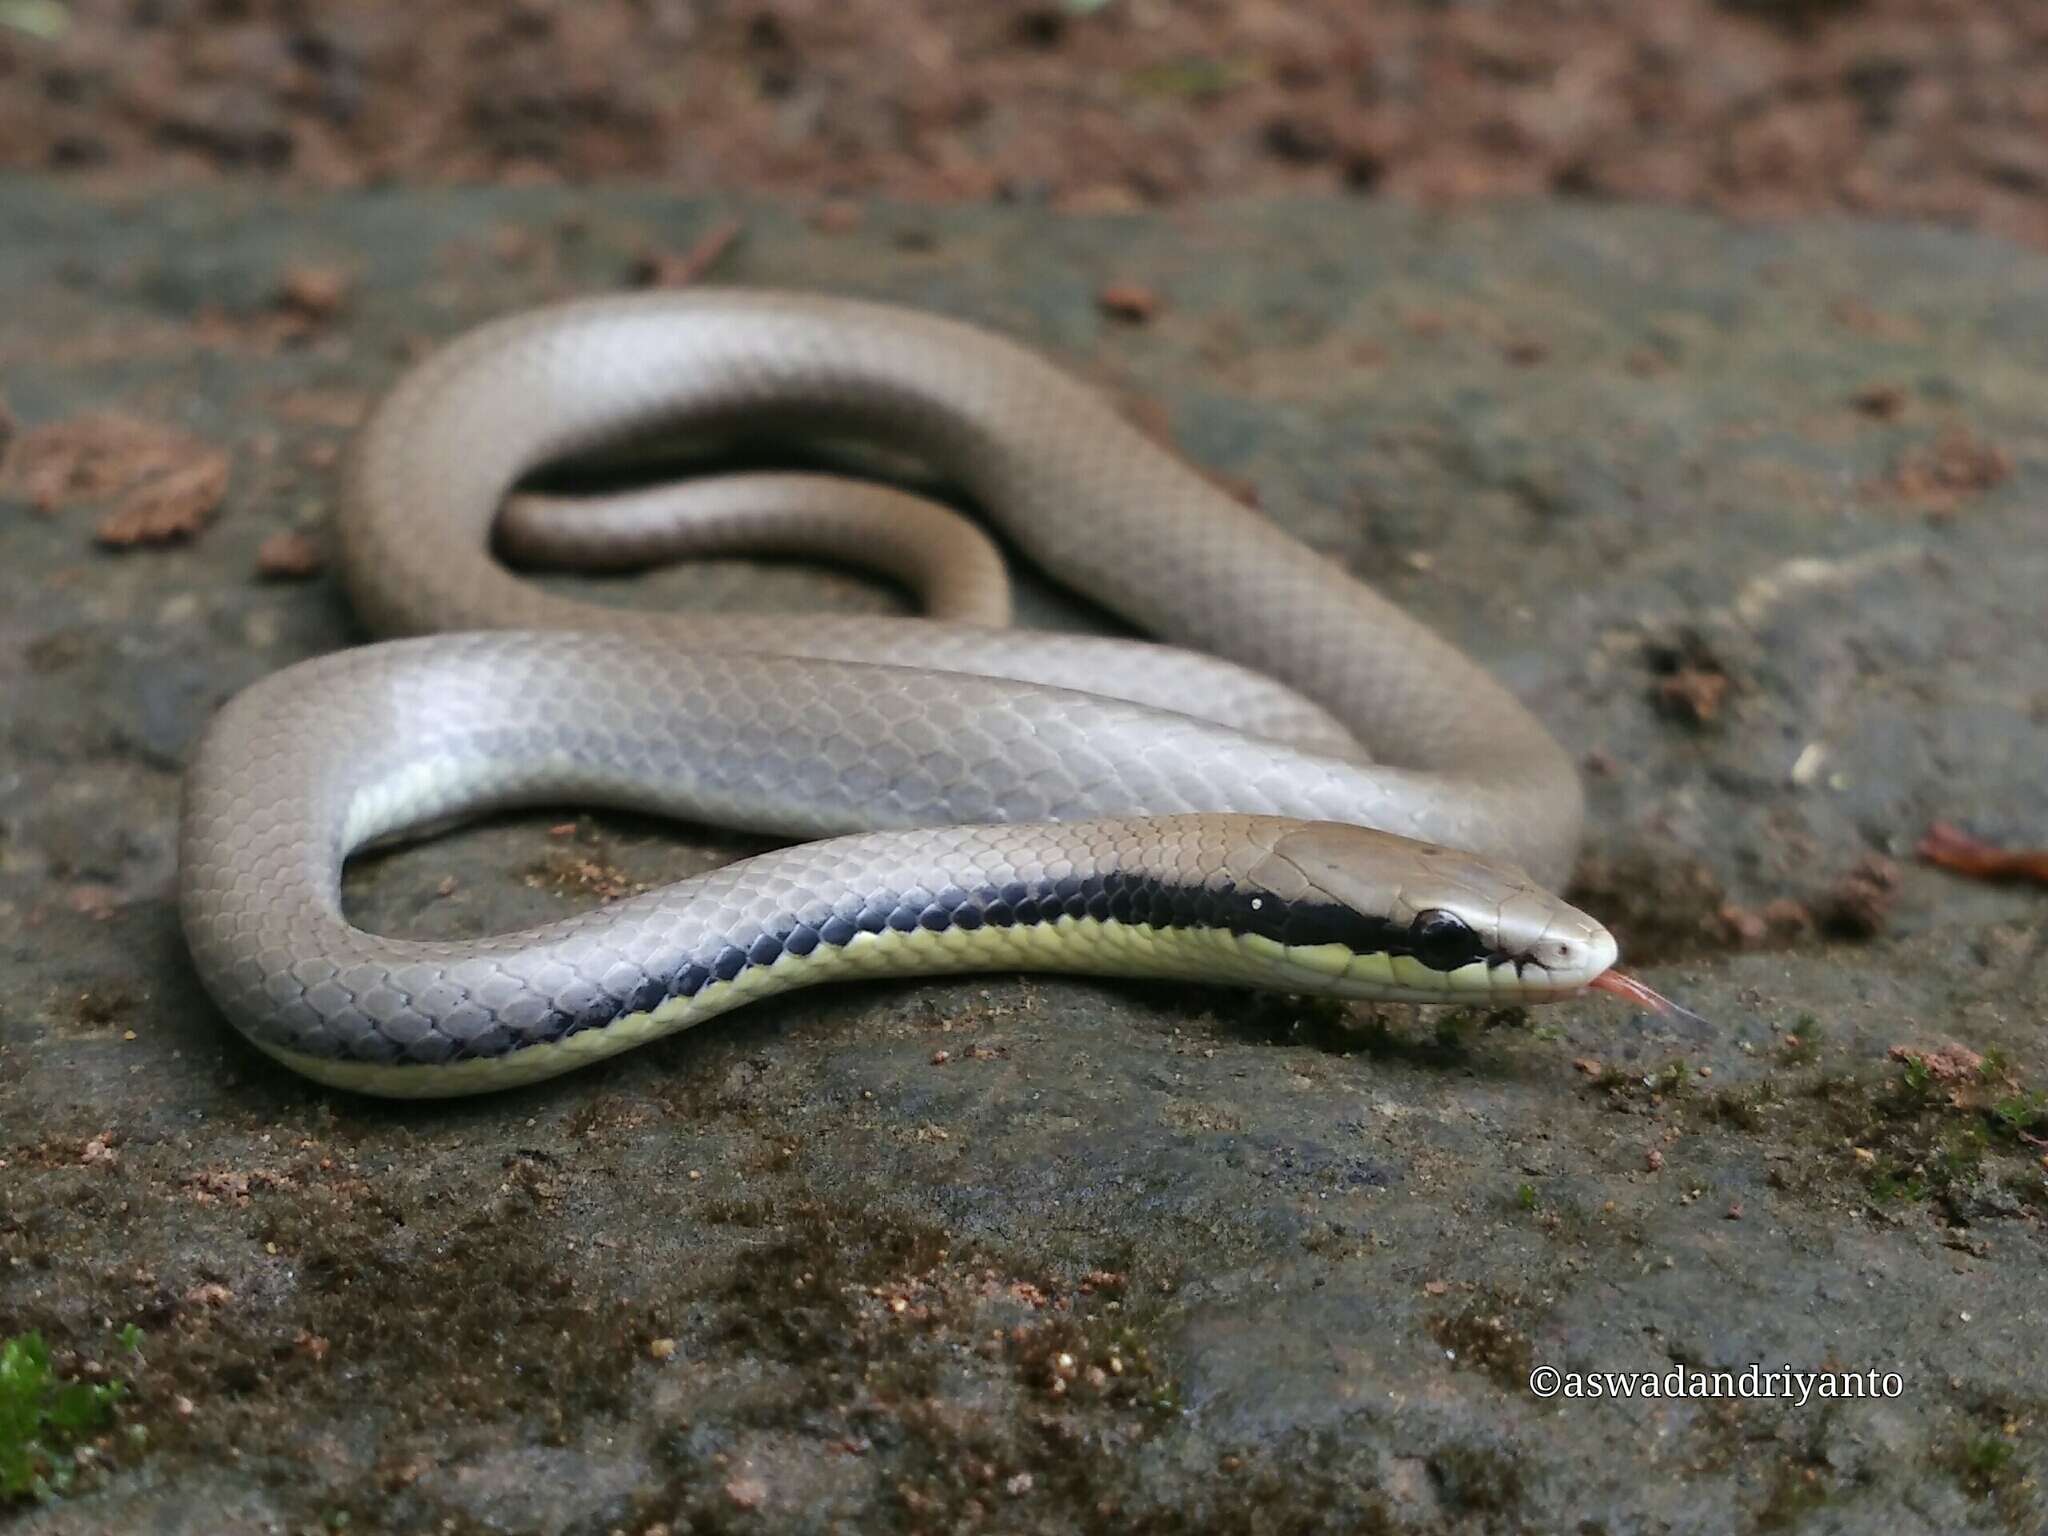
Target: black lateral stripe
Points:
(1114, 896)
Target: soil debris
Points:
(94, 457)
(836, 217)
(1692, 694)
(1781, 921)
(1690, 683)
(1882, 402)
(679, 269)
(1860, 903)
(1951, 848)
(315, 294)
(289, 556)
(1128, 301)
(1958, 466)
(1891, 108)
(1950, 1063)
(170, 508)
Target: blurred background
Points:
(1934, 109)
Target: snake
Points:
(1281, 780)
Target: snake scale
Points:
(1302, 788)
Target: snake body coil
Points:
(989, 798)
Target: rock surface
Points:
(1753, 517)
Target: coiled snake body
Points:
(989, 799)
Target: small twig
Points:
(1953, 849)
(659, 269)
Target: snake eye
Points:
(1442, 940)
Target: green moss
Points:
(1988, 1458)
(804, 1298)
(1095, 1360)
(1635, 1089)
(44, 1418)
(531, 1343)
(1921, 1134)
(876, 1319)
(1916, 1083)
(1796, 1491)
(1191, 76)
(1746, 1109)
(2019, 1115)
(1983, 1465)
(1481, 1338)
(1801, 1047)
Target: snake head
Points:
(1364, 914)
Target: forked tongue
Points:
(1643, 996)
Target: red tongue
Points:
(1629, 990)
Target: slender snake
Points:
(987, 798)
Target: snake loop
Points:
(1326, 797)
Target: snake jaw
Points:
(1557, 965)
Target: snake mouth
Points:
(1499, 979)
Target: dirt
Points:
(1056, 1255)
(1927, 109)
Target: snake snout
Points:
(1567, 953)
